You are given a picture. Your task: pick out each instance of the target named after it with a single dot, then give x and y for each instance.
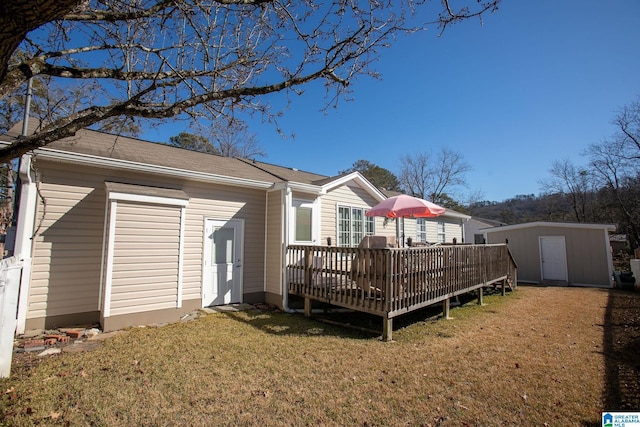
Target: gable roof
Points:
(90, 147)
(283, 173)
(488, 222)
(121, 152)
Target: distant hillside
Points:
(524, 208)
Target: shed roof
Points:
(608, 227)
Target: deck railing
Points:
(390, 281)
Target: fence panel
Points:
(10, 269)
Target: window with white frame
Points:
(303, 221)
(369, 226)
(353, 225)
(421, 230)
(441, 232)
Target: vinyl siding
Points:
(220, 202)
(67, 249)
(67, 252)
(452, 229)
(139, 254)
(274, 243)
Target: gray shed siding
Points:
(588, 259)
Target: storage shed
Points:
(559, 253)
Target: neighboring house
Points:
(473, 229)
(619, 243)
(126, 232)
(559, 253)
(447, 228)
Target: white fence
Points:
(10, 269)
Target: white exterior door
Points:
(553, 258)
(222, 264)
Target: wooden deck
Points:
(389, 282)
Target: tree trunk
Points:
(18, 17)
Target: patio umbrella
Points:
(403, 206)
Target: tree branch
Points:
(111, 16)
(134, 107)
(161, 6)
(204, 58)
(450, 17)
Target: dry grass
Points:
(540, 355)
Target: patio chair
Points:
(368, 268)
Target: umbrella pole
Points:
(398, 237)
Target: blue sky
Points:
(538, 81)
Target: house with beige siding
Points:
(125, 232)
(558, 253)
(447, 228)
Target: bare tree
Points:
(234, 140)
(618, 178)
(574, 184)
(199, 59)
(627, 136)
(434, 177)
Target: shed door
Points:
(222, 266)
(553, 258)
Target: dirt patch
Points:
(622, 350)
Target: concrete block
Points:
(635, 269)
(50, 351)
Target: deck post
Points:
(307, 307)
(446, 304)
(387, 329)
(308, 268)
(388, 296)
(480, 291)
(504, 287)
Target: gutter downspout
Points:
(26, 219)
(286, 210)
(266, 245)
(24, 235)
